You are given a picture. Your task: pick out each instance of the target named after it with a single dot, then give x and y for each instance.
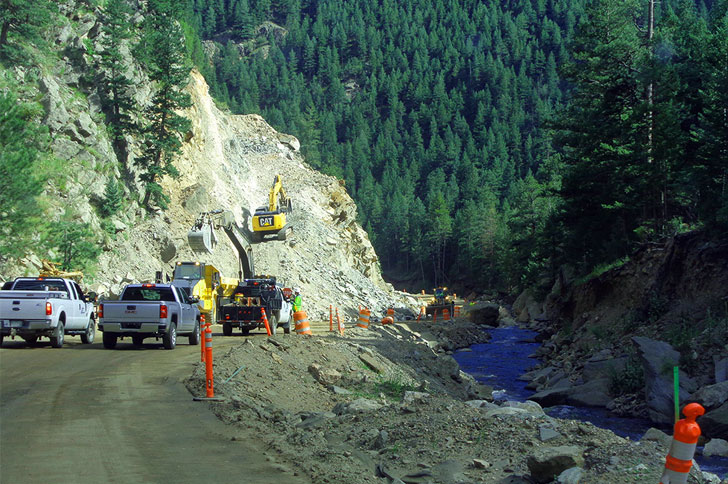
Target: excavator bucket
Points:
(202, 239)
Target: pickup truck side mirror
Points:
(194, 300)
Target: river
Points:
(501, 361)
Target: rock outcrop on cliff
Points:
(228, 162)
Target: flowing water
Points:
(501, 361)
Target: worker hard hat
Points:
(296, 290)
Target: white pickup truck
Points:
(31, 307)
(150, 311)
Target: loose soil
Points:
(409, 421)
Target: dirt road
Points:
(83, 414)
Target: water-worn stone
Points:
(548, 462)
(717, 447)
(546, 433)
(486, 314)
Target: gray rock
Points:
(546, 433)
(120, 226)
(721, 369)
(56, 114)
(594, 393)
(549, 398)
(169, 250)
(486, 314)
(570, 476)
(361, 405)
(506, 412)
(656, 435)
(715, 422)
(712, 396)
(658, 359)
(325, 376)
(339, 391)
(86, 127)
(373, 363)
(548, 462)
(382, 439)
(530, 406)
(717, 447)
(603, 368)
(410, 397)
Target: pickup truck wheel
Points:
(195, 336)
(58, 334)
(246, 331)
(109, 341)
(170, 338)
(88, 337)
(273, 323)
(137, 339)
(227, 329)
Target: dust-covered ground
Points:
(389, 404)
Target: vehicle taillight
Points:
(227, 316)
(49, 308)
(163, 311)
(100, 312)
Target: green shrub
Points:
(630, 379)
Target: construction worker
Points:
(297, 300)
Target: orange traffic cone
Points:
(363, 318)
(301, 319)
(265, 322)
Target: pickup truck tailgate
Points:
(132, 312)
(24, 305)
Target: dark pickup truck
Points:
(250, 297)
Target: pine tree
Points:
(163, 49)
(113, 196)
(23, 144)
(23, 20)
(115, 87)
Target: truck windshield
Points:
(148, 294)
(188, 271)
(40, 285)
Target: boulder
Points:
(594, 393)
(658, 359)
(548, 462)
(714, 424)
(486, 314)
(717, 447)
(604, 367)
(721, 369)
(526, 306)
(323, 375)
(712, 396)
(656, 435)
(361, 405)
(169, 250)
(570, 476)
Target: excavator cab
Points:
(271, 220)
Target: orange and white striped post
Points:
(331, 318)
(363, 321)
(265, 322)
(680, 457)
(456, 311)
(202, 337)
(209, 380)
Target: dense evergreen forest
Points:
(491, 141)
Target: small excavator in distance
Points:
(271, 220)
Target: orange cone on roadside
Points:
(265, 322)
(446, 314)
(679, 459)
(387, 320)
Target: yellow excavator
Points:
(271, 220)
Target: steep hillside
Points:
(228, 162)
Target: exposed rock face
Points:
(228, 162)
(546, 463)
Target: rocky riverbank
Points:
(390, 404)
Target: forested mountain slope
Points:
(448, 121)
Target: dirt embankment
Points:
(390, 404)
